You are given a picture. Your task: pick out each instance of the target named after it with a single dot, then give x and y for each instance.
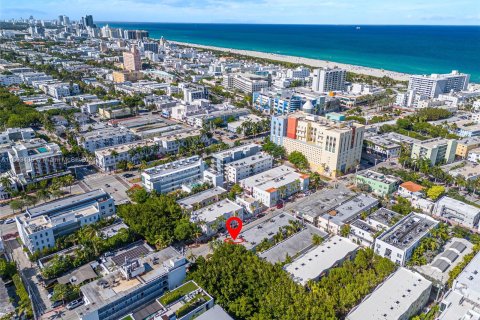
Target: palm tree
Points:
(43, 195)
(69, 180)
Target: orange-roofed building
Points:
(409, 189)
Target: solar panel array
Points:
(131, 254)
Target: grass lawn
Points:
(179, 292)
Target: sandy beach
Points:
(306, 61)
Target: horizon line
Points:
(301, 24)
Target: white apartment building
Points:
(191, 93)
(246, 167)
(132, 282)
(199, 120)
(457, 211)
(298, 73)
(331, 147)
(462, 301)
(247, 83)
(314, 264)
(212, 218)
(399, 297)
(15, 134)
(60, 90)
(107, 159)
(222, 158)
(103, 138)
(172, 143)
(35, 160)
(326, 80)
(434, 85)
(92, 107)
(274, 185)
(40, 226)
(29, 77)
(398, 243)
(171, 176)
(474, 155)
(9, 79)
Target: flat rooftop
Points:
(173, 166)
(113, 286)
(458, 206)
(360, 224)
(470, 141)
(351, 208)
(67, 202)
(432, 143)
(399, 138)
(271, 179)
(212, 212)
(457, 307)
(315, 262)
(112, 230)
(454, 252)
(384, 216)
(215, 313)
(265, 230)
(380, 177)
(468, 281)
(229, 152)
(251, 160)
(408, 230)
(322, 201)
(382, 141)
(292, 246)
(392, 298)
(466, 169)
(201, 196)
(121, 148)
(181, 135)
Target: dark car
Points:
(57, 304)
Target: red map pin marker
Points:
(234, 232)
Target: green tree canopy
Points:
(299, 160)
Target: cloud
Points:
(252, 11)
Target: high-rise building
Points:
(331, 147)
(434, 85)
(131, 60)
(63, 20)
(136, 34)
(89, 21)
(150, 46)
(325, 80)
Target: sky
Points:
(396, 12)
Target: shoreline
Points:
(315, 63)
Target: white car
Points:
(8, 221)
(75, 303)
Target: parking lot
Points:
(115, 185)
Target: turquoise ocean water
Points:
(409, 49)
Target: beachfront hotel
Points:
(435, 84)
(326, 80)
(330, 147)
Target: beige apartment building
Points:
(132, 60)
(331, 147)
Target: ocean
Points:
(408, 49)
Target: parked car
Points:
(8, 221)
(57, 304)
(75, 303)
